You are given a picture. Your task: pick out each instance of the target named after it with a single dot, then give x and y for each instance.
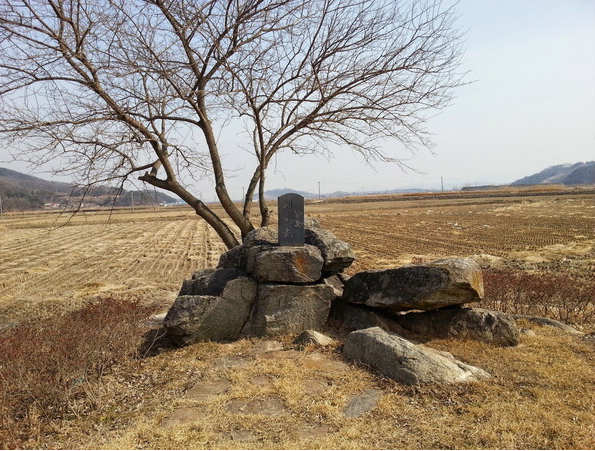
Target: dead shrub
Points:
(51, 369)
(549, 294)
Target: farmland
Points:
(78, 380)
(52, 262)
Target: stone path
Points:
(270, 404)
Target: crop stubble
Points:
(45, 269)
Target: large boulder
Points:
(284, 264)
(463, 323)
(209, 281)
(405, 362)
(216, 307)
(262, 235)
(445, 282)
(235, 258)
(336, 253)
(355, 317)
(289, 309)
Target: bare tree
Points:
(123, 88)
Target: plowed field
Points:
(51, 262)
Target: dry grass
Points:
(541, 395)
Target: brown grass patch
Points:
(540, 397)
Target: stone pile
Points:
(261, 289)
(264, 289)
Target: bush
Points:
(52, 368)
(553, 295)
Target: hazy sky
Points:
(531, 105)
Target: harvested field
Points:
(540, 395)
(51, 263)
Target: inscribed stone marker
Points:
(291, 220)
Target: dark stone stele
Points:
(291, 220)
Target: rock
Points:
(284, 264)
(320, 362)
(210, 282)
(311, 337)
(550, 323)
(401, 360)
(195, 318)
(208, 389)
(356, 317)
(315, 387)
(311, 223)
(336, 283)
(156, 321)
(442, 283)
(269, 405)
(588, 338)
(263, 235)
(181, 416)
(232, 361)
(362, 403)
(527, 332)
(261, 381)
(313, 431)
(263, 347)
(289, 309)
(242, 435)
(233, 258)
(337, 254)
(463, 323)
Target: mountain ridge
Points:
(20, 192)
(582, 173)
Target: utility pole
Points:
(132, 200)
(442, 183)
(318, 190)
(1, 212)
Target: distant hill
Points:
(21, 192)
(275, 193)
(567, 174)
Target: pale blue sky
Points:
(531, 105)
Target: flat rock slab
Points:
(284, 264)
(362, 403)
(263, 406)
(313, 431)
(232, 361)
(320, 362)
(316, 386)
(242, 435)
(312, 337)
(263, 347)
(442, 283)
(290, 354)
(261, 381)
(208, 389)
(396, 358)
(181, 416)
